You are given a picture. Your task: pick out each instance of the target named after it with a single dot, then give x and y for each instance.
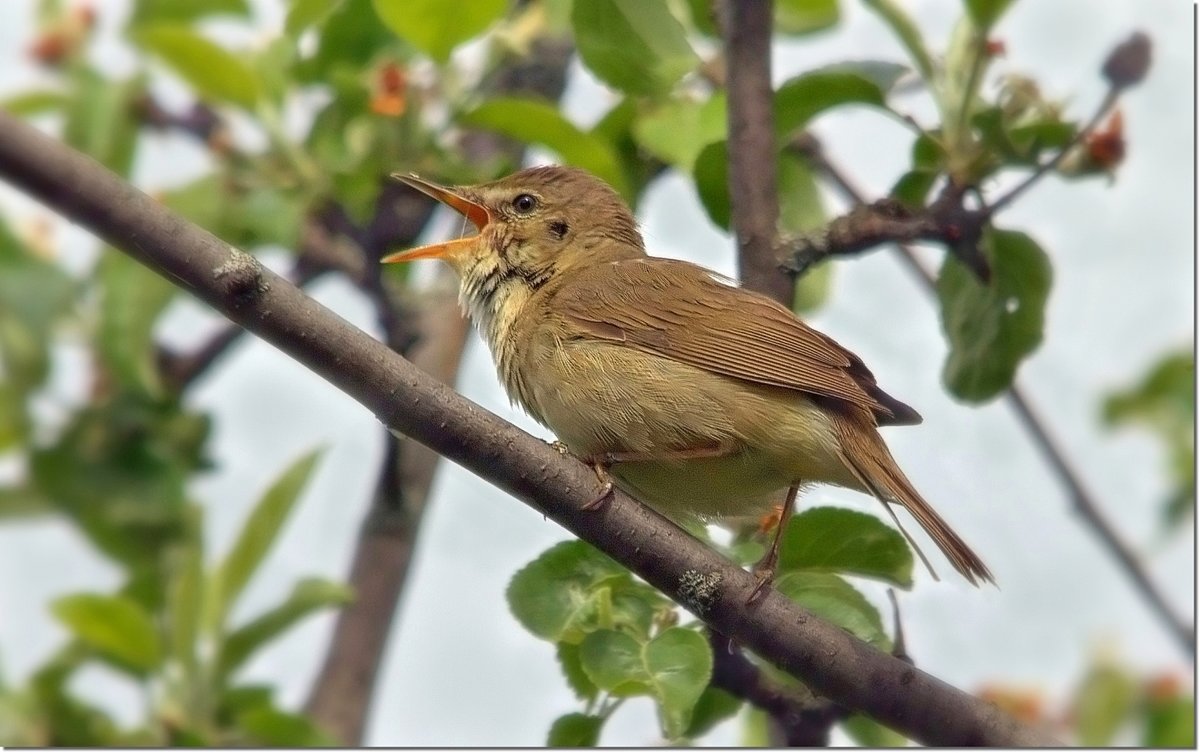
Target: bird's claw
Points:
(606, 485)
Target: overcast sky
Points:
(460, 671)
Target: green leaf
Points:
(257, 536)
(679, 662)
(115, 626)
(1170, 723)
(350, 37)
(613, 661)
(833, 539)
(436, 28)
(33, 103)
(185, 11)
(711, 174)
(1165, 403)
(678, 130)
(269, 727)
(985, 13)
(912, 188)
(99, 119)
(713, 707)
(539, 122)
(833, 598)
(1103, 702)
(869, 733)
(244, 216)
(801, 209)
(992, 328)
(906, 33)
(306, 13)
(308, 597)
(119, 470)
(215, 73)
(575, 731)
(802, 98)
(674, 667)
(554, 596)
(132, 299)
(636, 46)
(805, 16)
(572, 668)
(185, 592)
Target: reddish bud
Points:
(1106, 147)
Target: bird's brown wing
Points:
(682, 311)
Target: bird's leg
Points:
(602, 461)
(765, 567)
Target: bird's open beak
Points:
(473, 211)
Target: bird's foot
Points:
(764, 572)
(606, 484)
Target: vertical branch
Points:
(753, 192)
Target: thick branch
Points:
(407, 400)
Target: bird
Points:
(698, 397)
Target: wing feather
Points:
(682, 311)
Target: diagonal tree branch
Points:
(826, 658)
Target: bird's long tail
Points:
(872, 464)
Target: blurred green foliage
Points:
(398, 88)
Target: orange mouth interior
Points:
(475, 212)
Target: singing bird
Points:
(698, 396)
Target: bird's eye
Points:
(525, 203)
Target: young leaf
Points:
(216, 73)
(115, 626)
(801, 209)
(435, 27)
(185, 592)
(833, 539)
(831, 597)
(308, 597)
(553, 596)
(575, 731)
(572, 667)
(992, 328)
(257, 536)
(907, 33)
(805, 16)
(636, 46)
(613, 661)
(679, 663)
(539, 122)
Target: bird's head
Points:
(533, 226)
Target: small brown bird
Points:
(701, 397)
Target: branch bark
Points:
(408, 401)
(753, 192)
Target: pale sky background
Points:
(461, 671)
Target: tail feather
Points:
(868, 458)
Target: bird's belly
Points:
(609, 398)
